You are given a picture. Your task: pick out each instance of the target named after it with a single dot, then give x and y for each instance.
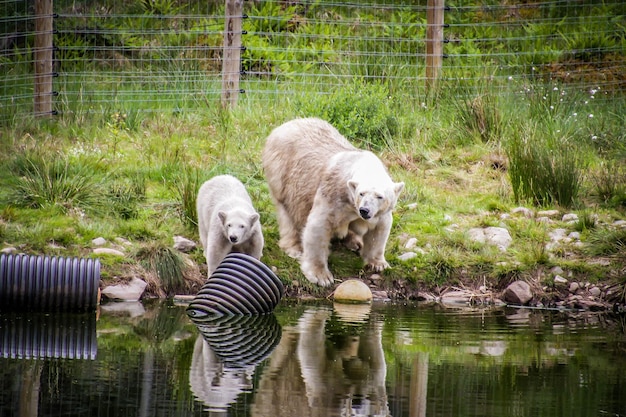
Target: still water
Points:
(133, 359)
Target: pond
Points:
(313, 359)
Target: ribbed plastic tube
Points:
(42, 335)
(44, 283)
(241, 284)
(241, 341)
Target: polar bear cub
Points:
(227, 221)
(324, 187)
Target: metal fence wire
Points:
(169, 56)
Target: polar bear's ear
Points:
(397, 188)
(222, 216)
(253, 218)
(352, 186)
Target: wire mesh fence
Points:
(168, 55)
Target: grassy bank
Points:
(132, 177)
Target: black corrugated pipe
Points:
(44, 283)
(243, 340)
(40, 335)
(241, 284)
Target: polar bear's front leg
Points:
(315, 247)
(374, 243)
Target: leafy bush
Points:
(362, 112)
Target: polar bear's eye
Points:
(362, 193)
(380, 197)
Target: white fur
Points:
(227, 221)
(323, 187)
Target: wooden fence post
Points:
(231, 59)
(43, 57)
(434, 41)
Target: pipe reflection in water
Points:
(330, 363)
(39, 336)
(226, 354)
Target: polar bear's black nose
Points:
(364, 212)
(233, 239)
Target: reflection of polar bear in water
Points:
(323, 188)
(310, 375)
(216, 385)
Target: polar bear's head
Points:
(373, 200)
(237, 225)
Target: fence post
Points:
(434, 41)
(43, 57)
(231, 59)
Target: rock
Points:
(498, 236)
(99, 241)
(548, 213)
(407, 255)
(560, 280)
(595, 291)
(353, 291)
(108, 251)
(518, 292)
(411, 243)
(130, 291)
(569, 217)
(183, 244)
(456, 297)
(522, 211)
(8, 250)
(573, 287)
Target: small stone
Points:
(548, 213)
(560, 280)
(557, 270)
(8, 250)
(573, 287)
(522, 211)
(411, 206)
(407, 255)
(518, 292)
(183, 244)
(574, 235)
(130, 291)
(99, 241)
(108, 251)
(570, 217)
(353, 291)
(595, 291)
(411, 243)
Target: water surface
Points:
(133, 359)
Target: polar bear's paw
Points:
(317, 275)
(353, 242)
(377, 265)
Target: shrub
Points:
(360, 111)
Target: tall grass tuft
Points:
(166, 263)
(543, 169)
(125, 195)
(41, 181)
(479, 117)
(186, 189)
(610, 182)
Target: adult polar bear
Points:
(323, 187)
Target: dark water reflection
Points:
(313, 360)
